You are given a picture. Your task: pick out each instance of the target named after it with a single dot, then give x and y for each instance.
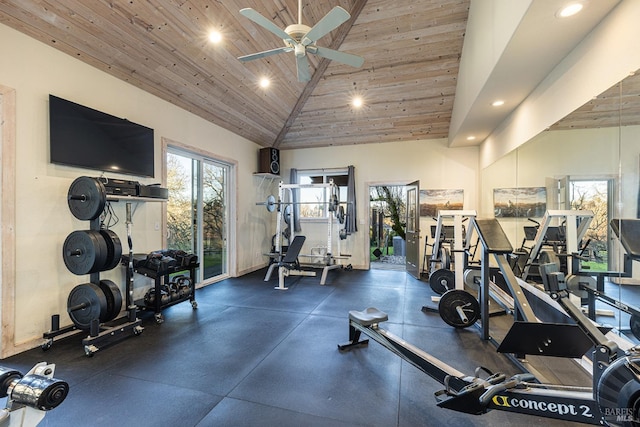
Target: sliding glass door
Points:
(198, 210)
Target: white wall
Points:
(43, 221)
(431, 162)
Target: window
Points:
(314, 202)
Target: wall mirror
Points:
(588, 161)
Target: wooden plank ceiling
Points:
(617, 106)
(408, 80)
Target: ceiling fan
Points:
(301, 39)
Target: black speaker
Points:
(269, 161)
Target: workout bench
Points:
(289, 264)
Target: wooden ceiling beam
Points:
(336, 42)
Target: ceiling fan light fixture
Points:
(301, 39)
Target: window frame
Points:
(326, 175)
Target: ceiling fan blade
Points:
(328, 23)
(258, 55)
(265, 23)
(302, 65)
(334, 55)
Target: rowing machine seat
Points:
(368, 316)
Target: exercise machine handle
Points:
(514, 381)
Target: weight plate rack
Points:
(94, 306)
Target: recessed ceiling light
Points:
(357, 102)
(570, 10)
(215, 37)
(264, 82)
(471, 138)
(497, 103)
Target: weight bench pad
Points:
(628, 231)
(368, 316)
(294, 250)
(493, 236)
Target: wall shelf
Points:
(264, 177)
(117, 198)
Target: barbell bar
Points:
(272, 204)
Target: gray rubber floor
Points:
(251, 355)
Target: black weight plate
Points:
(271, 203)
(472, 278)
(86, 198)
(448, 306)
(114, 299)
(340, 215)
(446, 258)
(286, 214)
(442, 280)
(84, 252)
(634, 324)
(7, 376)
(618, 392)
(114, 249)
(85, 303)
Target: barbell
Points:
(334, 206)
(272, 204)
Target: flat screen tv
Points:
(86, 138)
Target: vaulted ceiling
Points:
(411, 52)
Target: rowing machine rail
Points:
(474, 395)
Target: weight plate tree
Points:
(91, 305)
(459, 308)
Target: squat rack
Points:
(286, 198)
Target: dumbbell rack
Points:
(100, 334)
(160, 277)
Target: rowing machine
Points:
(615, 401)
